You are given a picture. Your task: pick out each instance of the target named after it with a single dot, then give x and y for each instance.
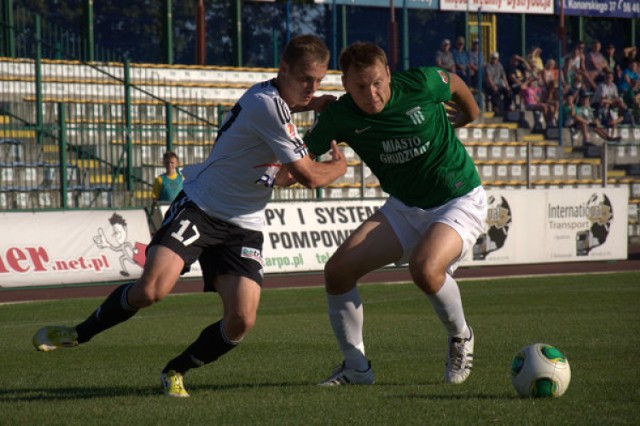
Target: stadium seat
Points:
(11, 150)
(23, 198)
(46, 199)
(481, 152)
(6, 201)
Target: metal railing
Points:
(78, 134)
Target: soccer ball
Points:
(540, 370)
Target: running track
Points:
(316, 279)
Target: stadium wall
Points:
(522, 227)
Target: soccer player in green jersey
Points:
(400, 128)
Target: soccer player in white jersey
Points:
(218, 217)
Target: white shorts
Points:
(466, 215)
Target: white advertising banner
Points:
(553, 225)
(71, 247)
(523, 226)
(301, 236)
(545, 7)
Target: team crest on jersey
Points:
(416, 116)
(443, 76)
(292, 131)
(251, 253)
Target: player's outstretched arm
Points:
(317, 104)
(313, 174)
(465, 106)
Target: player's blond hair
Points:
(305, 48)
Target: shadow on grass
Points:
(88, 393)
(77, 393)
(465, 397)
(43, 394)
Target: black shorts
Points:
(221, 247)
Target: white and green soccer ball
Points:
(540, 370)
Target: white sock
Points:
(346, 318)
(447, 303)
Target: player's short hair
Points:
(169, 155)
(361, 55)
(304, 49)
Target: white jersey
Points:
(235, 182)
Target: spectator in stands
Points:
(607, 102)
(583, 118)
(476, 63)
(628, 55)
(518, 74)
(497, 87)
(218, 217)
(574, 64)
(436, 208)
(532, 100)
(535, 60)
(577, 88)
(612, 60)
(571, 119)
(601, 129)
(461, 59)
(551, 78)
(631, 98)
(444, 57)
(629, 74)
(596, 64)
(168, 185)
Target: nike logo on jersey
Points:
(358, 131)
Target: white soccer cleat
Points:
(53, 337)
(349, 376)
(459, 359)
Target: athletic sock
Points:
(347, 317)
(447, 303)
(208, 347)
(114, 310)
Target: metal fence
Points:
(86, 135)
(76, 134)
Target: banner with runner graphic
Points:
(42, 248)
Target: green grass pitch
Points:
(270, 378)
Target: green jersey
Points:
(410, 146)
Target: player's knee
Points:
(338, 276)
(427, 276)
(332, 268)
(146, 299)
(237, 325)
(142, 297)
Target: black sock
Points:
(114, 310)
(208, 347)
